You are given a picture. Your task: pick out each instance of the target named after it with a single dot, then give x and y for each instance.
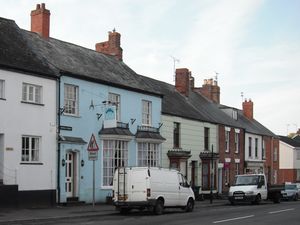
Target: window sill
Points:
(31, 163)
(106, 187)
(33, 103)
(72, 115)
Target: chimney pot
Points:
(40, 20)
(248, 109)
(112, 46)
(182, 81)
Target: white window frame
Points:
(256, 148)
(146, 113)
(250, 147)
(237, 142)
(115, 154)
(71, 103)
(29, 152)
(32, 93)
(275, 154)
(2, 89)
(227, 138)
(263, 149)
(148, 154)
(115, 99)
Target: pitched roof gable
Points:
(289, 141)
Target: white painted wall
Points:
(191, 137)
(253, 158)
(288, 156)
(17, 119)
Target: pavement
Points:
(31, 215)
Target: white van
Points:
(152, 188)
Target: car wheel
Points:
(189, 205)
(159, 207)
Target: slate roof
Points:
(115, 131)
(296, 138)
(16, 51)
(250, 126)
(149, 135)
(28, 51)
(289, 141)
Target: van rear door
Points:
(138, 181)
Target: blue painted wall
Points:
(87, 124)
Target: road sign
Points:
(93, 144)
(93, 155)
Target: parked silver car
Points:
(290, 192)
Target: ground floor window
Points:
(115, 154)
(148, 154)
(30, 149)
(237, 168)
(298, 175)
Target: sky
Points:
(253, 45)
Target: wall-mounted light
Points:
(63, 162)
(82, 163)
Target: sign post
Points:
(93, 156)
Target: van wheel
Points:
(159, 207)
(189, 205)
(296, 197)
(257, 200)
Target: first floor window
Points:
(116, 101)
(237, 168)
(148, 154)
(32, 93)
(227, 135)
(2, 89)
(250, 147)
(115, 154)
(237, 141)
(71, 99)
(30, 149)
(147, 113)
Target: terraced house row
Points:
(58, 99)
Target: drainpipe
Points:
(58, 144)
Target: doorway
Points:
(71, 174)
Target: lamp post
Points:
(211, 174)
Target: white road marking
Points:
(279, 211)
(231, 219)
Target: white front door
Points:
(69, 174)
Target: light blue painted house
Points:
(103, 106)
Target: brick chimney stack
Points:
(248, 109)
(210, 90)
(112, 46)
(40, 20)
(183, 81)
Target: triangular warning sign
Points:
(93, 144)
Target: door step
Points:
(74, 201)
